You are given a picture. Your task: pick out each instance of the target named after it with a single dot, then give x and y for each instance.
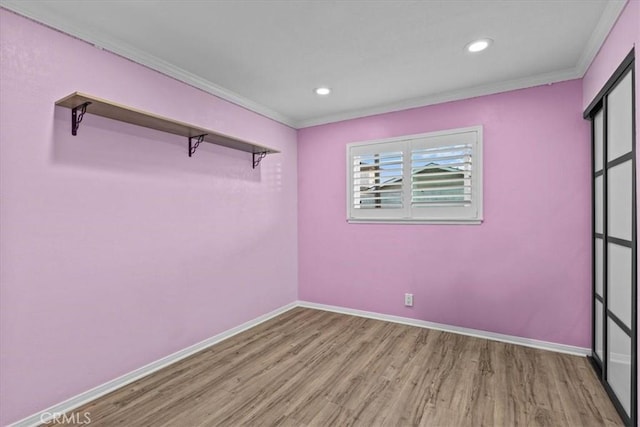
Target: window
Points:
(429, 178)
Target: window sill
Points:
(415, 221)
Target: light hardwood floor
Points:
(315, 368)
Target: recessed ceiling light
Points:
(322, 91)
(479, 45)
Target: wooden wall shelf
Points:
(81, 103)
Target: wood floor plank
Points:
(314, 368)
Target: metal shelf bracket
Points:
(257, 158)
(193, 145)
(76, 117)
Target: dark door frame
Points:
(600, 104)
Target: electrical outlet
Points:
(408, 300)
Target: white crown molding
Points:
(510, 339)
(608, 19)
(120, 48)
(455, 95)
(86, 397)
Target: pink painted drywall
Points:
(117, 249)
(525, 271)
(621, 39)
(624, 36)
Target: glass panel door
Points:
(614, 350)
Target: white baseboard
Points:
(83, 398)
(86, 397)
(527, 342)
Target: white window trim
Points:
(478, 159)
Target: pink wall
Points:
(525, 271)
(117, 249)
(621, 39)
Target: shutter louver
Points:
(428, 178)
(441, 176)
(377, 180)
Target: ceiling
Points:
(377, 56)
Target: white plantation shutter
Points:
(376, 181)
(444, 176)
(435, 177)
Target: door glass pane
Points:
(619, 364)
(619, 282)
(597, 141)
(619, 119)
(598, 208)
(598, 325)
(619, 205)
(598, 266)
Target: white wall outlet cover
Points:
(408, 300)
